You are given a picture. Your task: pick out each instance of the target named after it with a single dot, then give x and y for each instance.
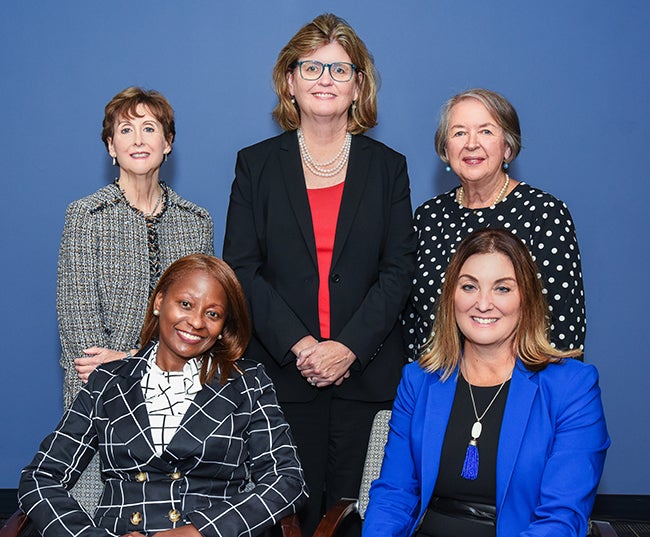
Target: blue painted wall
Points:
(578, 73)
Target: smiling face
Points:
(476, 147)
(487, 302)
(324, 98)
(192, 315)
(138, 143)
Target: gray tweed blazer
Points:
(230, 469)
(110, 257)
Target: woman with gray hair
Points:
(478, 137)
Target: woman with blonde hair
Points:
(319, 233)
(494, 432)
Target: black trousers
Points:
(332, 438)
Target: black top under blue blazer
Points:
(270, 244)
(230, 469)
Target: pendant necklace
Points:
(470, 464)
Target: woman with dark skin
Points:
(191, 439)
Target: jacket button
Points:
(175, 475)
(336, 278)
(174, 515)
(141, 477)
(136, 518)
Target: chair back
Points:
(374, 457)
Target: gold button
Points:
(174, 515)
(141, 477)
(175, 475)
(136, 518)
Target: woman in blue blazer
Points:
(319, 233)
(191, 439)
(493, 432)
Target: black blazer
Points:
(270, 244)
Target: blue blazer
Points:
(550, 458)
(230, 469)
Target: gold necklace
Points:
(500, 196)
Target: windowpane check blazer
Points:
(230, 469)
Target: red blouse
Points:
(324, 204)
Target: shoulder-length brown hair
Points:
(499, 108)
(236, 331)
(125, 104)
(324, 29)
(531, 342)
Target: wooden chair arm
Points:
(335, 515)
(16, 523)
(600, 528)
(290, 526)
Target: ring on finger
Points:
(311, 381)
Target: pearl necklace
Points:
(500, 196)
(325, 169)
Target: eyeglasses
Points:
(339, 71)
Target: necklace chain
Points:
(478, 419)
(500, 196)
(155, 207)
(325, 169)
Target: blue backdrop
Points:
(577, 72)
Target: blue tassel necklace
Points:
(470, 465)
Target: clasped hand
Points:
(325, 363)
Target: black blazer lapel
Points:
(355, 184)
(294, 180)
(211, 408)
(126, 410)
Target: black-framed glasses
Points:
(339, 71)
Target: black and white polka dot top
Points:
(540, 220)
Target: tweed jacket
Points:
(230, 469)
(104, 273)
(270, 244)
(550, 457)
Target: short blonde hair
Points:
(532, 346)
(325, 29)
